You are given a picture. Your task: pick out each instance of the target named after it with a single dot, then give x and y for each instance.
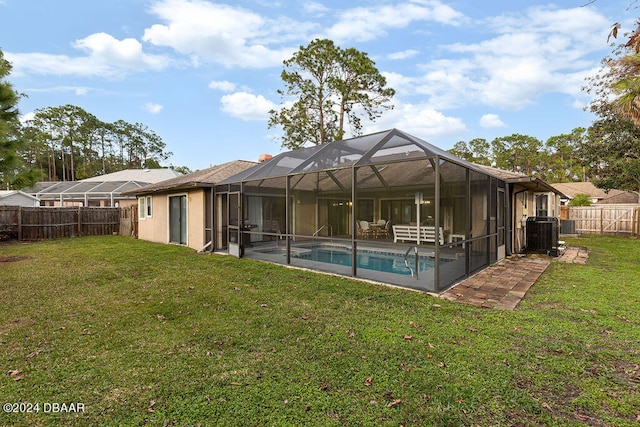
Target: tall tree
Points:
(13, 172)
(563, 158)
(71, 143)
(478, 150)
(612, 151)
(613, 142)
(66, 127)
(517, 153)
(617, 85)
(325, 87)
(462, 150)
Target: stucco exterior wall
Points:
(156, 227)
(195, 226)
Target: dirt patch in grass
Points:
(629, 372)
(12, 258)
(14, 324)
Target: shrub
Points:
(581, 200)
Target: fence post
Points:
(79, 221)
(19, 223)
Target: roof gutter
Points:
(539, 184)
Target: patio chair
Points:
(383, 232)
(365, 229)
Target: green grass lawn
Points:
(149, 334)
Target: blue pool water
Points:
(385, 262)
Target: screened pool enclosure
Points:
(386, 206)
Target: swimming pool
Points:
(371, 259)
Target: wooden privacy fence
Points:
(622, 220)
(129, 221)
(39, 223)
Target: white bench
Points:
(409, 233)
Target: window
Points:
(142, 208)
(542, 205)
(148, 206)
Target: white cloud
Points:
(420, 120)
(222, 85)
(405, 54)
(220, 33)
(44, 63)
(246, 106)
(105, 46)
(78, 90)
(363, 24)
(28, 116)
(153, 108)
(542, 50)
(106, 57)
(491, 121)
(314, 8)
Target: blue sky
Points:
(204, 74)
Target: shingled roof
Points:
(139, 175)
(529, 182)
(202, 178)
(571, 189)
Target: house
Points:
(180, 210)
(387, 206)
(103, 190)
(530, 197)
(17, 198)
(598, 195)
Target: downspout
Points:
(212, 218)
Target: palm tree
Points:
(628, 87)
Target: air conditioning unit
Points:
(543, 233)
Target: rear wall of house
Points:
(156, 227)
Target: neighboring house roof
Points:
(571, 189)
(7, 193)
(202, 178)
(140, 175)
(17, 198)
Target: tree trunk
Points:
(104, 167)
(64, 166)
(72, 165)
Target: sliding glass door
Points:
(178, 219)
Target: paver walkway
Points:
(504, 284)
(575, 254)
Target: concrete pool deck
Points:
(504, 284)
